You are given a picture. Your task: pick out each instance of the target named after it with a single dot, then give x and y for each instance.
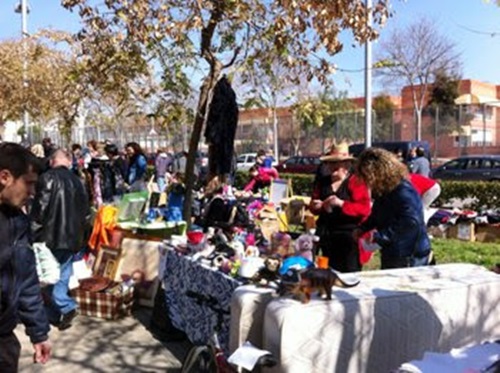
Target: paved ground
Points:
(100, 346)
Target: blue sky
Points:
(455, 19)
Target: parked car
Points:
(471, 167)
(245, 161)
(300, 164)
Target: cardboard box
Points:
(463, 232)
(440, 231)
(268, 227)
(487, 233)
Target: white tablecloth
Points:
(392, 317)
(248, 305)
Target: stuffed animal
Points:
(269, 272)
(281, 244)
(311, 279)
(304, 245)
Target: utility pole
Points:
(22, 7)
(368, 81)
(484, 127)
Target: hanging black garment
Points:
(221, 127)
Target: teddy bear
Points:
(304, 245)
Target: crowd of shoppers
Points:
(375, 194)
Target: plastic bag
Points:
(47, 266)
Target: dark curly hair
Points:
(381, 170)
(137, 148)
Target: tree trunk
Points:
(203, 102)
(275, 130)
(419, 124)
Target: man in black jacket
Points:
(20, 296)
(60, 217)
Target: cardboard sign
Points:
(279, 190)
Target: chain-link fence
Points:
(450, 132)
(464, 129)
(148, 137)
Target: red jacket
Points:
(421, 183)
(359, 205)
(263, 178)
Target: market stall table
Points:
(182, 274)
(248, 305)
(393, 316)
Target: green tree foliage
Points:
(442, 103)
(384, 118)
(336, 115)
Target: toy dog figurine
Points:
(317, 279)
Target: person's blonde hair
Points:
(381, 170)
(214, 186)
(37, 150)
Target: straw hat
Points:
(337, 152)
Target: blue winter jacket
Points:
(137, 169)
(20, 296)
(399, 220)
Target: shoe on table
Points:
(66, 319)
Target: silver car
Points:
(471, 167)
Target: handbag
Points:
(47, 266)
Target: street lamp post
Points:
(368, 82)
(22, 7)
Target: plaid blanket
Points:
(104, 305)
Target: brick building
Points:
(471, 129)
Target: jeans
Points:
(10, 349)
(403, 262)
(59, 301)
(161, 184)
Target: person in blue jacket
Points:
(396, 213)
(136, 167)
(20, 294)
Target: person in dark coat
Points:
(20, 295)
(342, 202)
(61, 219)
(221, 128)
(397, 213)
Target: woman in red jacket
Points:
(261, 178)
(342, 202)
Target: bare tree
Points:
(412, 56)
(267, 88)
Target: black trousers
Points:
(341, 249)
(10, 349)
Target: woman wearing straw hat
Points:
(342, 202)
